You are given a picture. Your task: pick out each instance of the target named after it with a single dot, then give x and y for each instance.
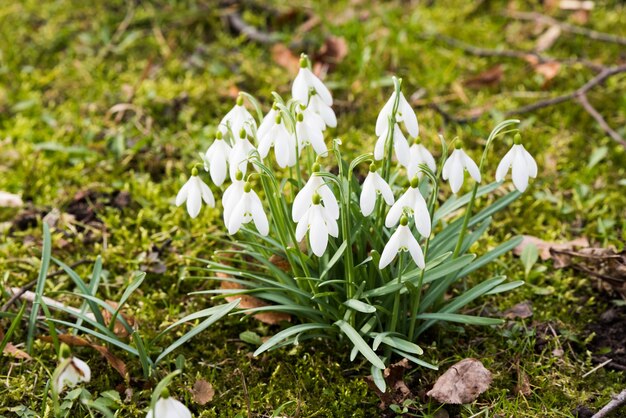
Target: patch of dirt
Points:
(609, 341)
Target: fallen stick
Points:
(615, 403)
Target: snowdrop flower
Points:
(404, 114)
(231, 196)
(419, 154)
(373, 185)
(306, 81)
(522, 163)
(70, 371)
(402, 240)
(326, 113)
(412, 202)
(237, 118)
(320, 224)
(400, 145)
(216, 159)
(168, 407)
(284, 144)
(239, 155)
(248, 208)
(310, 134)
(455, 166)
(194, 192)
(268, 121)
(304, 198)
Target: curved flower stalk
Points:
(455, 166)
(521, 163)
(319, 222)
(248, 208)
(402, 240)
(236, 119)
(411, 202)
(194, 192)
(216, 159)
(374, 185)
(419, 154)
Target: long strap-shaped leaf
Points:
(360, 344)
(286, 333)
(41, 281)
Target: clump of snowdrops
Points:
(367, 263)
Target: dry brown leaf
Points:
(334, 50)
(283, 56)
(523, 384)
(10, 200)
(522, 310)
(75, 341)
(202, 392)
(462, 383)
(548, 70)
(397, 390)
(545, 246)
(491, 77)
(581, 16)
(548, 38)
(119, 329)
(16, 352)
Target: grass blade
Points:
(41, 281)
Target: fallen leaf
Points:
(462, 383)
(331, 53)
(544, 247)
(10, 200)
(581, 16)
(12, 350)
(548, 70)
(523, 384)
(283, 56)
(522, 310)
(489, 78)
(397, 389)
(548, 38)
(75, 341)
(119, 329)
(202, 392)
(308, 24)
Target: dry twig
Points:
(615, 403)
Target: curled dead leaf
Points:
(202, 392)
(462, 383)
(12, 350)
(119, 329)
(522, 310)
(544, 247)
(488, 78)
(397, 389)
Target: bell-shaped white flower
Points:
(455, 166)
(320, 224)
(309, 133)
(522, 163)
(402, 240)
(404, 114)
(236, 119)
(419, 154)
(240, 154)
(411, 202)
(268, 121)
(304, 198)
(168, 407)
(248, 208)
(70, 372)
(326, 113)
(284, 144)
(194, 192)
(306, 81)
(400, 146)
(231, 196)
(373, 185)
(216, 159)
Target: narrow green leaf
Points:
(359, 306)
(462, 319)
(288, 332)
(361, 345)
(41, 281)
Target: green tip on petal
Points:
(247, 187)
(517, 139)
(239, 175)
(165, 393)
(240, 100)
(415, 182)
(458, 145)
(218, 135)
(404, 221)
(373, 167)
(304, 61)
(65, 351)
(316, 198)
(194, 171)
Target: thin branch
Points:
(567, 27)
(582, 99)
(615, 403)
(240, 26)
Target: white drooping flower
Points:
(411, 202)
(268, 121)
(231, 196)
(282, 140)
(305, 82)
(404, 114)
(419, 154)
(216, 159)
(402, 240)
(400, 145)
(240, 154)
(523, 166)
(248, 208)
(326, 113)
(455, 166)
(373, 185)
(168, 407)
(304, 198)
(70, 372)
(236, 119)
(194, 191)
(320, 224)
(309, 133)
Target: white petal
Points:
(415, 251)
(384, 189)
(303, 199)
(421, 215)
(379, 148)
(427, 158)
(471, 167)
(331, 224)
(318, 233)
(390, 250)
(194, 199)
(401, 147)
(530, 163)
(82, 369)
(236, 217)
(456, 175)
(382, 122)
(319, 87)
(299, 88)
(447, 167)
(367, 200)
(408, 117)
(258, 214)
(178, 409)
(268, 121)
(505, 164)
(328, 115)
(281, 148)
(520, 171)
(302, 227)
(183, 193)
(394, 214)
(206, 193)
(329, 200)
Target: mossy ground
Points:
(65, 65)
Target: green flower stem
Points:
(396, 299)
(345, 226)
